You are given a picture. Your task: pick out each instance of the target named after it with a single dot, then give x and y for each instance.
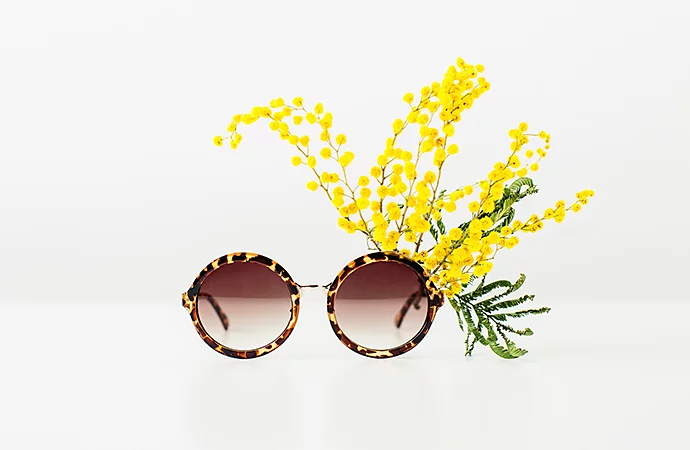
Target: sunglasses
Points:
(245, 305)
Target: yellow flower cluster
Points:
(397, 204)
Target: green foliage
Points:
(504, 212)
(441, 226)
(434, 232)
(484, 319)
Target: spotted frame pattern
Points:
(191, 297)
(435, 302)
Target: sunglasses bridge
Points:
(314, 286)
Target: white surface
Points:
(113, 198)
(113, 378)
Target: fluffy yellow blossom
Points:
(514, 161)
(218, 140)
(325, 153)
(296, 161)
(277, 103)
(394, 212)
(382, 191)
(455, 234)
(346, 159)
(363, 203)
(427, 145)
(326, 121)
(340, 139)
(338, 201)
(380, 234)
(312, 185)
(408, 98)
(329, 177)
(397, 126)
(439, 157)
(410, 171)
(457, 195)
(511, 242)
(417, 223)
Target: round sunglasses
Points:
(245, 305)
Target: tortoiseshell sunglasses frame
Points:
(191, 297)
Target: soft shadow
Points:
(240, 404)
(385, 404)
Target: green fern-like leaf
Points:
(528, 312)
(512, 287)
(509, 329)
(486, 320)
(510, 303)
(441, 226)
(434, 232)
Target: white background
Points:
(114, 197)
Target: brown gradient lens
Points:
(370, 303)
(244, 305)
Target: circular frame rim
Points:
(434, 294)
(190, 303)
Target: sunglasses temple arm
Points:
(415, 298)
(216, 307)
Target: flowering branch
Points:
(399, 208)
